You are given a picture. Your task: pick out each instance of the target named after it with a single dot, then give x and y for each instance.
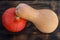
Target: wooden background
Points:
(30, 32)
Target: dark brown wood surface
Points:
(30, 32)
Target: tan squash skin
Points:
(45, 20)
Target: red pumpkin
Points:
(11, 23)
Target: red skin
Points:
(11, 23)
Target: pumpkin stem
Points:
(17, 17)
